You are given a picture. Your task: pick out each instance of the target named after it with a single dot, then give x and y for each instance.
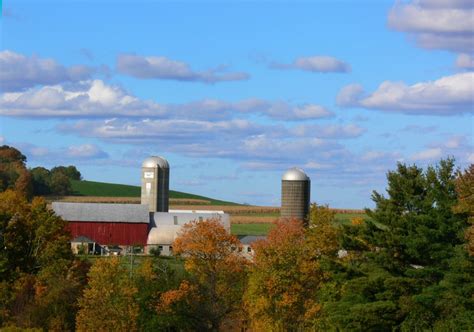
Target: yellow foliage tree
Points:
(108, 302)
(282, 293)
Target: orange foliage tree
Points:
(283, 284)
(213, 291)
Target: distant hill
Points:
(102, 189)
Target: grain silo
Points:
(295, 194)
(155, 184)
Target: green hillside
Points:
(102, 189)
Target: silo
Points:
(295, 194)
(155, 184)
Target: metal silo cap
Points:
(295, 174)
(155, 161)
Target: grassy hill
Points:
(102, 189)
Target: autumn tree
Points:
(13, 172)
(213, 290)
(108, 302)
(152, 278)
(39, 278)
(31, 236)
(287, 272)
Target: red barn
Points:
(106, 224)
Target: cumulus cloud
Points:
(317, 64)
(98, 99)
(210, 139)
(465, 61)
(2, 140)
(160, 67)
(449, 95)
(436, 24)
(19, 72)
(85, 151)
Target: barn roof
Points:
(249, 239)
(95, 212)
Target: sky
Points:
(233, 93)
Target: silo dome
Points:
(155, 161)
(295, 174)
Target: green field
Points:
(102, 189)
(251, 229)
(264, 228)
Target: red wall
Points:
(107, 233)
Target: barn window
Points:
(171, 248)
(175, 220)
(249, 249)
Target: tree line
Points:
(409, 267)
(37, 181)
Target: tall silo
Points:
(155, 184)
(295, 194)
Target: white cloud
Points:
(454, 142)
(449, 95)
(439, 24)
(328, 131)
(465, 61)
(312, 165)
(317, 63)
(87, 151)
(428, 154)
(19, 72)
(160, 67)
(2, 140)
(98, 99)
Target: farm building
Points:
(111, 228)
(247, 242)
(105, 224)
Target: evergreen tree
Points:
(401, 260)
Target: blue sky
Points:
(234, 93)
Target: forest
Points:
(409, 267)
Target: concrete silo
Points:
(295, 194)
(155, 184)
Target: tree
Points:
(60, 184)
(288, 272)
(213, 290)
(69, 171)
(465, 191)
(108, 302)
(401, 260)
(13, 172)
(41, 181)
(39, 278)
(31, 235)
